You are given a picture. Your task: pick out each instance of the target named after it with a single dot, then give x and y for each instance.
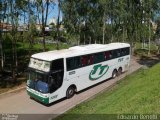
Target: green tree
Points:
(126, 20)
(157, 35)
(42, 8)
(1, 46)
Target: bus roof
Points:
(78, 50)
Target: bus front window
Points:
(37, 76)
(47, 81)
(38, 81)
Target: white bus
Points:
(57, 74)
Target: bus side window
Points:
(118, 52)
(127, 51)
(107, 55)
(90, 60)
(73, 63)
(70, 64)
(77, 62)
(110, 54)
(122, 52)
(114, 53)
(99, 57)
(84, 60)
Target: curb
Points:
(12, 91)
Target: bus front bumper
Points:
(36, 95)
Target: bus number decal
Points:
(120, 59)
(98, 71)
(53, 97)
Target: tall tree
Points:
(157, 35)
(58, 23)
(1, 49)
(42, 9)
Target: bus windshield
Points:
(37, 76)
(38, 81)
(42, 82)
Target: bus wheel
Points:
(31, 98)
(70, 92)
(120, 71)
(114, 73)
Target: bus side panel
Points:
(89, 82)
(81, 77)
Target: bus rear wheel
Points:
(70, 92)
(120, 71)
(114, 73)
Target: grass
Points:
(138, 93)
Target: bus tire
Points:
(120, 71)
(31, 98)
(114, 73)
(70, 92)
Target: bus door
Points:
(56, 75)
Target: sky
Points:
(53, 13)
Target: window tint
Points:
(114, 53)
(73, 63)
(99, 57)
(108, 55)
(125, 51)
(77, 62)
(57, 65)
(118, 52)
(90, 59)
(84, 60)
(56, 77)
(87, 60)
(70, 63)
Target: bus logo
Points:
(98, 71)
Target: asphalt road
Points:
(20, 104)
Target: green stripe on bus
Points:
(39, 98)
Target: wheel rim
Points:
(114, 74)
(70, 92)
(120, 71)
